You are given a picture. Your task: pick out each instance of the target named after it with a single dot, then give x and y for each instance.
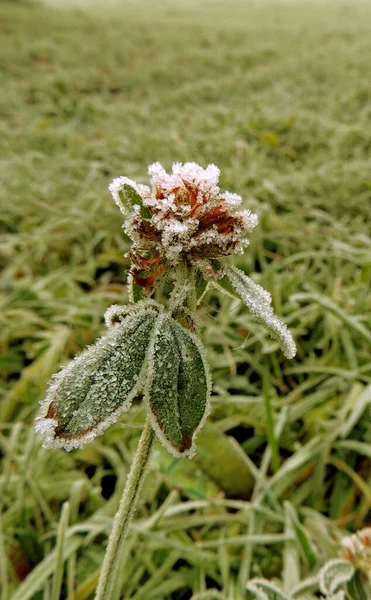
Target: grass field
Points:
(278, 95)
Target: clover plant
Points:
(182, 226)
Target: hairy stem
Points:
(125, 513)
(192, 297)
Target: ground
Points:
(278, 95)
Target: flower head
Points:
(181, 216)
(183, 222)
(357, 548)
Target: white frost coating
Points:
(207, 179)
(178, 293)
(258, 301)
(250, 220)
(118, 312)
(233, 200)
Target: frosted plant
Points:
(181, 226)
(357, 549)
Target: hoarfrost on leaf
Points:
(178, 386)
(334, 574)
(259, 302)
(94, 389)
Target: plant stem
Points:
(192, 297)
(125, 513)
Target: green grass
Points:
(277, 95)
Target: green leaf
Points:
(178, 386)
(130, 197)
(224, 286)
(258, 300)
(223, 460)
(359, 587)
(93, 390)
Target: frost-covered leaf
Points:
(359, 588)
(93, 390)
(178, 386)
(258, 300)
(334, 574)
(262, 589)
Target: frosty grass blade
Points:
(94, 389)
(178, 386)
(258, 300)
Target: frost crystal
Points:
(181, 216)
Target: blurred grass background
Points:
(278, 95)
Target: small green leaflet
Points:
(130, 197)
(94, 389)
(178, 386)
